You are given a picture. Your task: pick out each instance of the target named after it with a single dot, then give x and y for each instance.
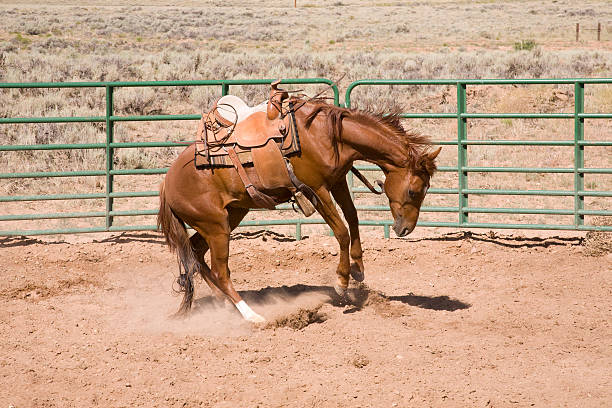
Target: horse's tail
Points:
(178, 241)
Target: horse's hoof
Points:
(357, 273)
(248, 314)
(340, 290)
(255, 318)
(180, 315)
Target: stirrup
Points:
(304, 204)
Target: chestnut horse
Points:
(213, 202)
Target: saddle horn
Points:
(275, 103)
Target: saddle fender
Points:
(270, 166)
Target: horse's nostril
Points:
(401, 232)
(406, 231)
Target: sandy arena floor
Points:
(449, 319)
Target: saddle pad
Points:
(235, 110)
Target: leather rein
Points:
(367, 183)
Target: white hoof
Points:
(248, 313)
(255, 318)
(340, 290)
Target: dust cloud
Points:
(153, 312)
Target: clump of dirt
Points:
(376, 298)
(599, 243)
(359, 294)
(384, 307)
(360, 361)
(299, 319)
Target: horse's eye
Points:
(411, 193)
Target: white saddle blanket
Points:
(235, 110)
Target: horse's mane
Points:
(414, 144)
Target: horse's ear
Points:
(435, 153)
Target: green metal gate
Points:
(462, 191)
(109, 119)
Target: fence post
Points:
(109, 155)
(598, 31)
(578, 153)
(224, 89)
(577, 31)
(462, 151)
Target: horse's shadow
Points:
(357, 297)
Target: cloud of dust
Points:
(151, 311)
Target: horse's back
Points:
(184, 184)
(190, 190)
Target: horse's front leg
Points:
(342, 195)
(327, 209)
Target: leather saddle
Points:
(233, 134)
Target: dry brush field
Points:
(446, 319)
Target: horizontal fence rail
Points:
(462, 169)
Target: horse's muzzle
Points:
(401, 230)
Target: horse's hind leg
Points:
(343, 197)
(200, 247)
(217, 236)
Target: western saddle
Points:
(233, 134)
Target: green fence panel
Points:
(463, 169)
(109, 119)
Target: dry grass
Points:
(437, 39)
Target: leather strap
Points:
(365, 181)
(200, 132)
(260, 199)
(306, 190)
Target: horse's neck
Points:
(371, 144)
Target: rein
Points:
(365, 181)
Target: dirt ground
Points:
(445, 318)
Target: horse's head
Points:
(406, 188)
